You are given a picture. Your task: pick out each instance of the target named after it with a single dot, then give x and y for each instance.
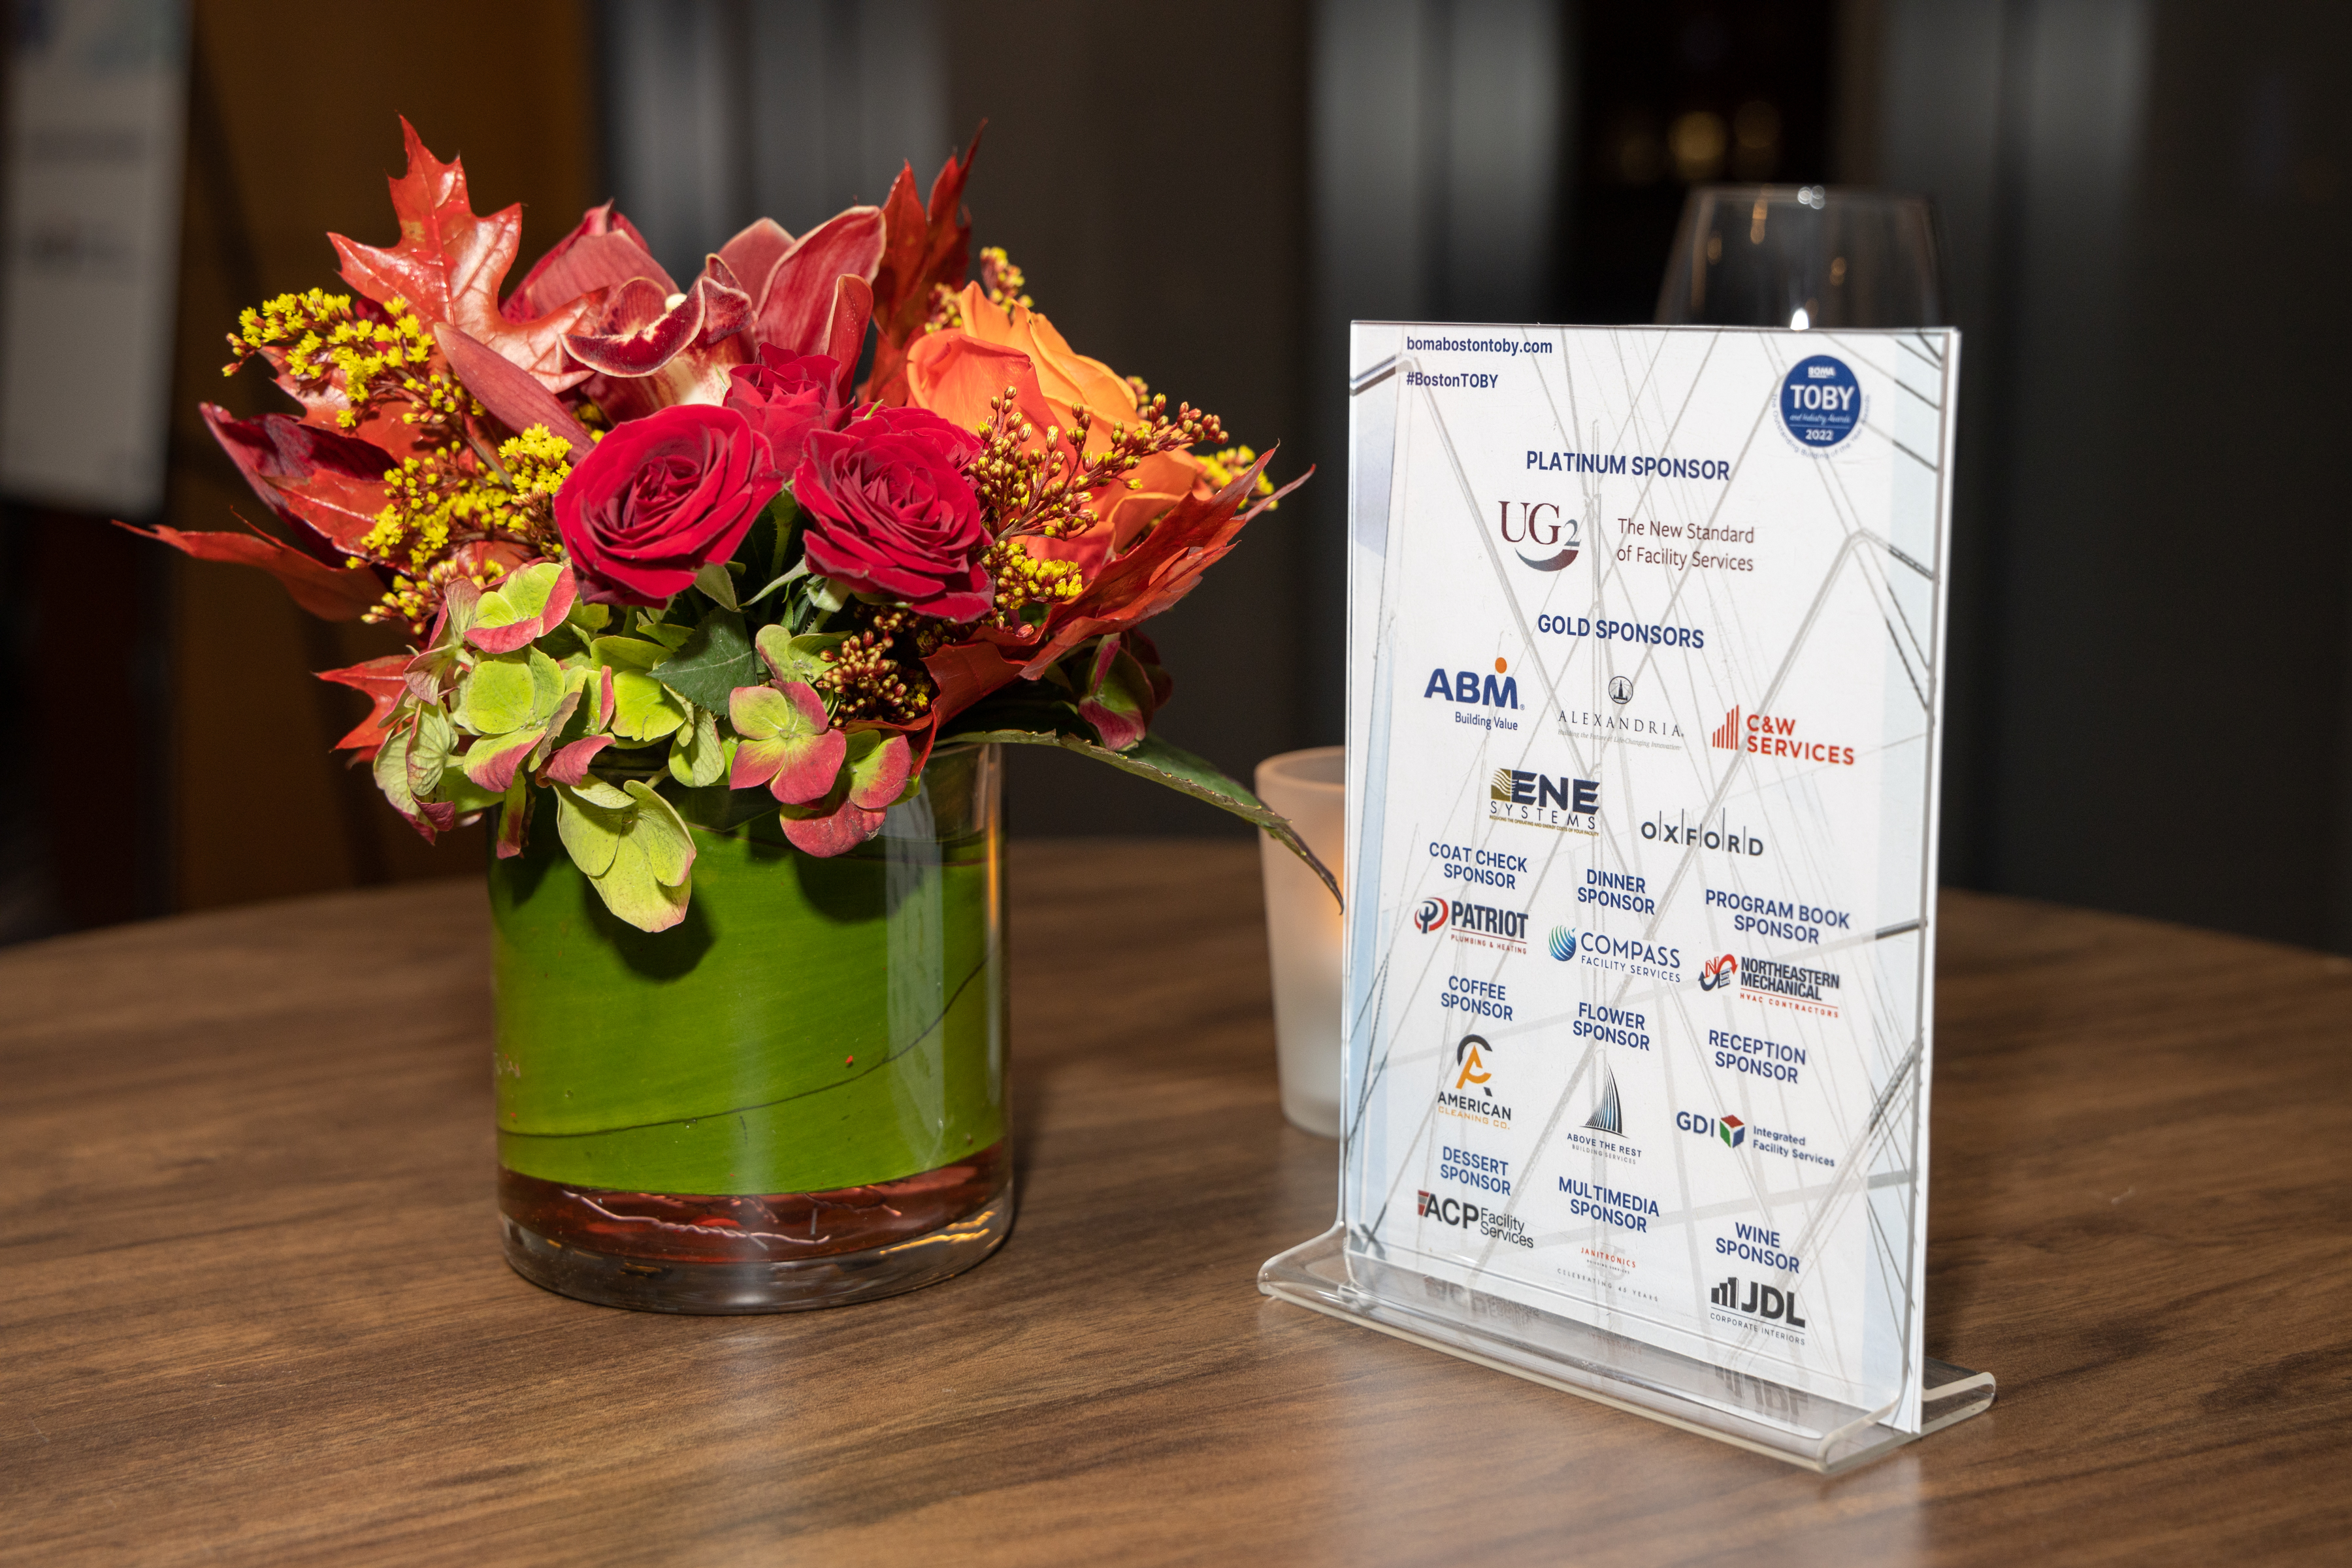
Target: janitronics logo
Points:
(1766, 1304)
(1680, 831)
(1544, 800)
(1477, 925)
(1472, 1097)
(1539, 526)
(1763, 735)
(1470, 1216)
(1782, 985)
(1484, 700)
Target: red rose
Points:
(786, 396)
(660, 497)
(891, 513)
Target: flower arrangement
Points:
(666, 561)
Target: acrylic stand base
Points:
(923, 1230)
(1747, 1412)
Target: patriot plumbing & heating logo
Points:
(1768, 1305)
(1780, 984)
(1472, 1097)
(1484, 700)
(1762, 735)
(1474, 925)
(1545, 800)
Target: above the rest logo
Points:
(1762, 735)
(1544, 800)
(1468, 687)
(1539, 524)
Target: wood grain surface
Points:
(252, 1308)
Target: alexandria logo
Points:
(1429, 916)
(1717, 973)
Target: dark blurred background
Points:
(2145, 207)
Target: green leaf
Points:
(1177, 769)
(520, 595)
(1025, 705)
(508, 692)
(718, 583)
(797, 658)
(721, 810)
(643, 709)
(428, 754)
(697, 756)
(715, 659)
(634, 848)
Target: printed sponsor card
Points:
(1646, 627)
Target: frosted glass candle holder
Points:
(1302, 932)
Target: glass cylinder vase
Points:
(792, 1098)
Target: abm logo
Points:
(1500, 690)
(1539, 524)
(1768, 1302)
(1431, 915)
(1717, 973)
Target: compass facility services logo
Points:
(1562, 944)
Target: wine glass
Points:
(1803, 256)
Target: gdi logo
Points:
(1765, 1301)
(1730, 1128)
(1539, 523)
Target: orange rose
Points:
(954, 373)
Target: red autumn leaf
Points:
(327, 592)
(385, 682)
(1193, 536)
(329, 485)
(514, 397)
(964, 674)
(449, 264)
(920, 248)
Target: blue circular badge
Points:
(1821, 403)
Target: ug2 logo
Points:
(1539, 524)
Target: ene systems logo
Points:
(1554, 537)
(1761, 735)
(1475, 925)
(1498, 694)
(1472, 1097)
(1545, 800)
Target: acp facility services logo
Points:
(1821, 403)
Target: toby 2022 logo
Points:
(1821, 403)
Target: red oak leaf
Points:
(327, 592)
(330, 486)
(384, 681)
(920, 248)
(449, 264)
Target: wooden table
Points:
(252, 1311)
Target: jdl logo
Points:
(1539, 523)
(1763, 1301)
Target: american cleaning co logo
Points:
(1545, 800)
(1473, 1098)
(1763, 735)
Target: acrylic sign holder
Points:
(1732, 1241)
